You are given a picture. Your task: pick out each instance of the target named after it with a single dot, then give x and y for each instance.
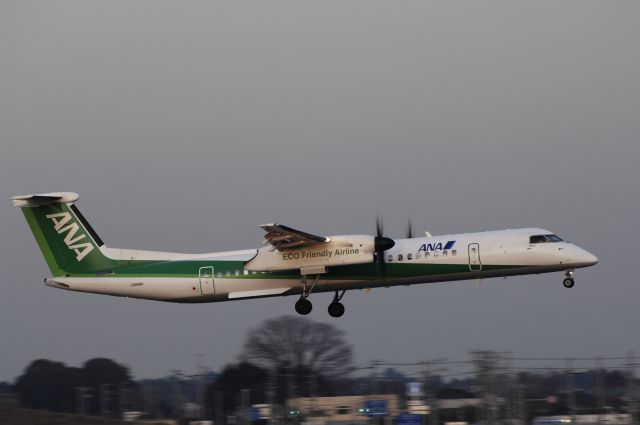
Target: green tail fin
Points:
(69, 244)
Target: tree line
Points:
(54, 386)
(289, 357)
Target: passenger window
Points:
(390, 258)
(454, 252)
(417, 255)
(444, 253)
(399, 257)
(435, 253)
(426, 254)
(409, 257)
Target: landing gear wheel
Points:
(568, 282)
(303, 306)
(336, 309)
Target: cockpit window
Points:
(544, 239)
(537, 239)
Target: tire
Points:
(303, 306)
(568, 283)
(336, 309)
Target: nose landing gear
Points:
(568, 281)
(336, 308)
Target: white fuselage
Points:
(230, 275)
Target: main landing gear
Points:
(304, 306)
(336, 308)
(568, 281)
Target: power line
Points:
(562, 359)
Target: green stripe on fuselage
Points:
(235, 269)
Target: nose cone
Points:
(583, 258)
(590, 259)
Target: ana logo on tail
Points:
(60, 221)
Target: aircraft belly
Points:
(254, 287)
(152, 288)
(187, 289)
(488, 272)
(175, 288)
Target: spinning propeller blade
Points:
(381, 244)
(409, 229)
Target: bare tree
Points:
(293, 342)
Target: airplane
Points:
(292, 262)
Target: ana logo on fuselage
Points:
(436, 246)
(60, 221)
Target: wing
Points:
(285, 238)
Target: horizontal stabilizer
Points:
(39, 199)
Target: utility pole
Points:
(571, 390)
(491, 361)
(373, 376)
(292, 391)
(313, 375)
(177, 395)
(631, 387)
(244, 406)
(486, 363)
(269, 396)
(121, 399)
(104, 399)
(600, 384)
(219, 416)
(81, 396)
(509, 390)
(147, 400)
(200, 395)
(521, 403)
(428, 393)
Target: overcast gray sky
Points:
(184, 125)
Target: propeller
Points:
(409, 229)
(381, 243)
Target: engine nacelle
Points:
(339, 251)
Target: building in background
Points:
(359, 409)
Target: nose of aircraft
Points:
(583, 258)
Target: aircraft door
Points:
(206, 280)
(474, 257)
